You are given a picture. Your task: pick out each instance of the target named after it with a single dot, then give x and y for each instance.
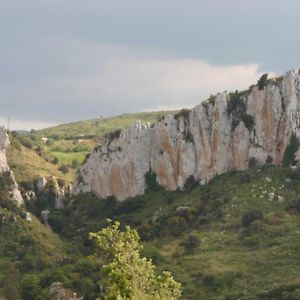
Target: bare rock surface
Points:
(5, 170)
(229, 131)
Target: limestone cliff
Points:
(7, 177)
(229, 131)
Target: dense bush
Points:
(184, 113)
(250, 216)
(252, 163)
(262, 81)
(64, 168)
(129, 205)
(191, 244)
(151, 181)
(190, 184)
(291, 149)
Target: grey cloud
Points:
(58, 57)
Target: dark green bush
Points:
(151, 181)
(64, 168)
(191, 244)
(184, 113)
(262, 81)
(291, 149)
(250, 216)
(190, 184)
(129, 205)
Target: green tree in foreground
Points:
(130, 276)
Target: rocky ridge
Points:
(8, 178)
(231, 131)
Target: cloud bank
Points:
(102, 80)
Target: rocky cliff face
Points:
(7, 176)
(229, 131)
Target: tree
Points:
(130, 276)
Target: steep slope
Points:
(27, 165)
(228, 132)
(236, 237)
(7, 179)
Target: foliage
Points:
(151, 180)
(262, 81)
(110, 136)
(291, 149)
(190, 184)
(191, 244)
(184, 114)
(131, 276)
(64, 168)
(250, 216)
(237, 108)
(259, 261)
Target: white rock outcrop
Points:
(4, 168)
(229, 131)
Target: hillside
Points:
(28, 165)
(235, 238)
(58, 151)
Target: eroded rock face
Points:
(8, 175)
(52, 190)
(228, 132)
(58, 292)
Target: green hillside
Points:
(99, 127)
(28, 164)
(224, 240)
(234, 238)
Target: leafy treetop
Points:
(130, 276)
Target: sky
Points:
(70, 60)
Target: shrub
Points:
(29, 287)
(253, 163)
(235, 103)
(291, 149)
(75, 163)
(191, 244)
(184, 113)
(151, 181)
(176, 225)
(130, 205)
(190, 184)
(262, 81)
(269, 160)
(26, 142)
(64, 168)
(113, 135)
(250, 216)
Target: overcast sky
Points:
(68, 60)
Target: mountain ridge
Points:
(229, 131)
